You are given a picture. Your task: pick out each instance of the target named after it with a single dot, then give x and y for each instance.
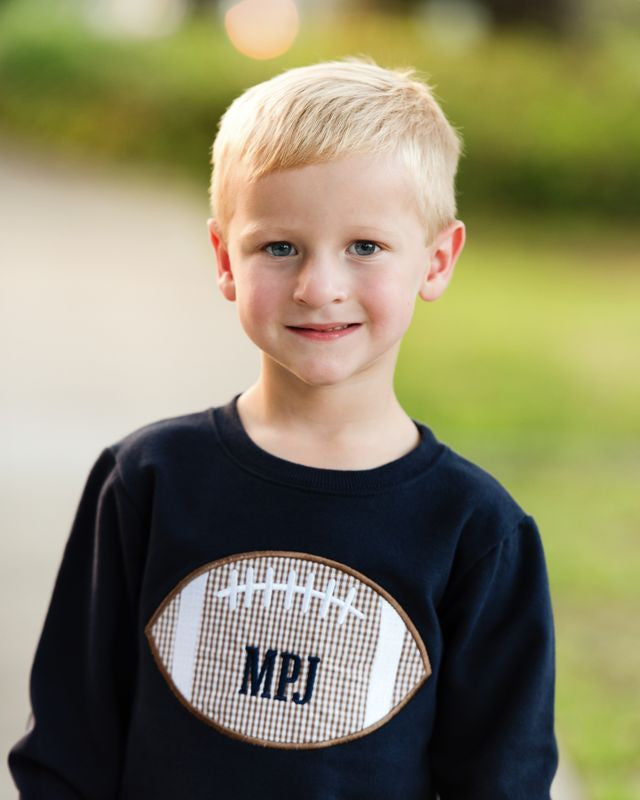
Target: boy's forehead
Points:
(362, 190)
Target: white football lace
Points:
(249, 587)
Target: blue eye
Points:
(279, 249)
(367, 244)
(277, 246)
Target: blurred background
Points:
(110, 316)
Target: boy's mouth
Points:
(331, 326)
(325, 333)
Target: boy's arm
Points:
(494, 736)
(83, 673)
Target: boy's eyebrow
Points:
(257, 228)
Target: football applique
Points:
(286, 649)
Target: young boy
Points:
(303, 593)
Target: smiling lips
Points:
(324, 326)
(324, 332)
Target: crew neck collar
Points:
(250, 456)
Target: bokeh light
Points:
(262, 29)
(456, 24)
(139, 19)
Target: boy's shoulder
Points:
(153, 437)
(482, 509)
(162, 444)
(469, 479)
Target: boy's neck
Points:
(328, 426)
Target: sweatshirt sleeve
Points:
(83, 673)
(494, 733)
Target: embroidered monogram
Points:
(251, 671)
(287, 649)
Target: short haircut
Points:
(324, 111)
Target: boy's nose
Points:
(321, 280)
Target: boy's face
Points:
(338, 242)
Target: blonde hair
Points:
(323, 111)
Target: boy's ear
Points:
(443, 254)
(226, 282)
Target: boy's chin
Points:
(319, 378)
(319, 373)
(333, 372)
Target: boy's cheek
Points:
(393, 306)
(258, 304)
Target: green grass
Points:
(528, 365)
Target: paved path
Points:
(110, 308)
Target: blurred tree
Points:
(201, 7)
(558, 16)
(393, 6)
(399, 7)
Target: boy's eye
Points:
(279, 249)
(367, 245)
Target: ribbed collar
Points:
(243, 450)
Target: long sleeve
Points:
(83, 673)
(494, 734)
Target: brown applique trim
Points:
(286, 649)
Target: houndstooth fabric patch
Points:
(287, 649)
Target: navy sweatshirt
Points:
(229, 624)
